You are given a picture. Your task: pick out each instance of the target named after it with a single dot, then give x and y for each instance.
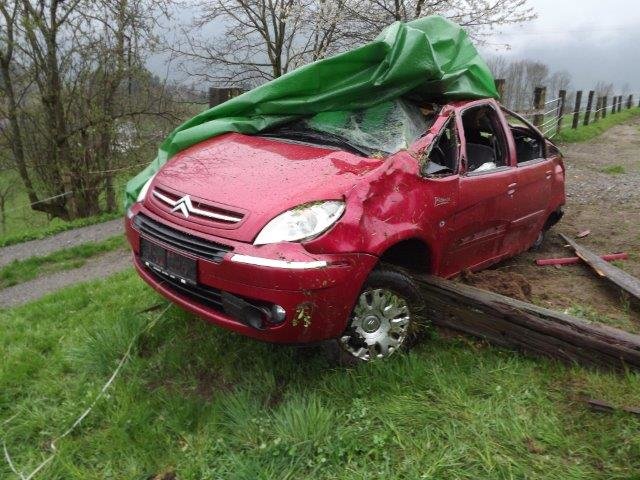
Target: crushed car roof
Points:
(428, 59)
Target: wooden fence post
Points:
(619, 103)
(596, 116)
(614, 102)
(219, 95)
(539, 99)
(563, 99)
(213, 96)
(604, 107)
(576, 110)
(587, 114)
(500, 83)
(630, 101)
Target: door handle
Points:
(512, 189)
(548, 174)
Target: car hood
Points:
(237, 183)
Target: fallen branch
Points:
(515, 324)
(573, 260)
(615, 275)
(602, 406)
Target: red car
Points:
(309, 231)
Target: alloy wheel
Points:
(379, 326)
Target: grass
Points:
(38, 231)
(23, 223)
(206, 403)
(20, 271)
(614, 170)
(582, 133)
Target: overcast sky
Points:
(592, 39)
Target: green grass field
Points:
(582, 133)
(25, 224)
(20, 271)
(206, 404)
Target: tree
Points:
(603, 89)
(478, 17)
(73, 74)
(261, 39)
(522, 76)
(9, 72)
(264, 39)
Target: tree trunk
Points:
(55, 207)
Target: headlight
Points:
(302, 222)
(145, 188)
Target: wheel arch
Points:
(553, 218)
(412, 253)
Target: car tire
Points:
(537, 245)
(389, 316)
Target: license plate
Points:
(169, 263)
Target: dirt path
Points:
(606, 204)
(97, 267)
(70, 238)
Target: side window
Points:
(442, 157)
(529, 143)
(484, 138)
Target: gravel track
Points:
(97, 267)
(70, 238)
(586, 182)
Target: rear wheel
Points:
(388, 317)
(539, 240)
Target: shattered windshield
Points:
(381, 130)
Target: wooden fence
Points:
(551, 116)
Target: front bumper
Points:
(317, 299)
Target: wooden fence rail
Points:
(526, 327)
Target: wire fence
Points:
(554, 115)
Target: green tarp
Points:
(430, 59)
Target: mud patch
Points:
(510, 284)
(170, 475)
(205, 385)
(211, 382)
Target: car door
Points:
(534, 173)
(485, 198)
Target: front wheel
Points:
(388, 316)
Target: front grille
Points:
(185, 242)
(208, 296)
(192, 208)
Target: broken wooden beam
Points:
(535, 330)
(573, 260)
(602, 406)
(615, 275)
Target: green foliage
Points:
(20, 271)
(614, 170)
(206, 403)
(582, 133)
